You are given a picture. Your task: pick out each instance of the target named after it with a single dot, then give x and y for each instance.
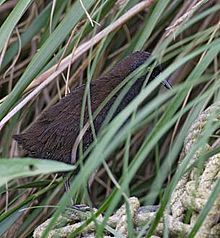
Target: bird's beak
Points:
(166, 84)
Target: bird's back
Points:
(53, 134)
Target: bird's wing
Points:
(53, 134)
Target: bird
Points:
(54, 133)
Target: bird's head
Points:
(127, 65)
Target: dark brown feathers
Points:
(53, 134)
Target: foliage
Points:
(39, 39)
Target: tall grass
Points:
(37, 41)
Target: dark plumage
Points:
(53, 134)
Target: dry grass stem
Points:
(184, 17)
(54, 71)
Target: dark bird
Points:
(53, 134)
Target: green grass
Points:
(142, 159)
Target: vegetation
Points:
(49, 47)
